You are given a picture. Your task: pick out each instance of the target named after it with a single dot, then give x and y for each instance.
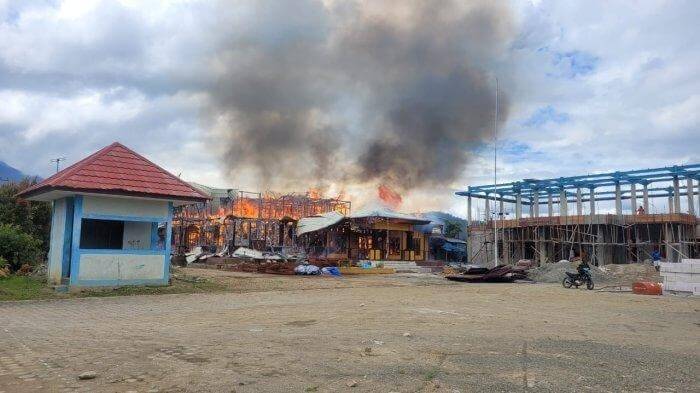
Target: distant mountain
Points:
(8, 172)
(443, 217)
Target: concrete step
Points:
(406, 267)
(61, 288)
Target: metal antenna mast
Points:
(57, 160)
(495, 178)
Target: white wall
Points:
(120, 267)
(137, 235)
(681, 276)
(58, 224)
(124, 206)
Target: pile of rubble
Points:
(475, 273)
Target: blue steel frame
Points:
(76, 251)
(543, 187)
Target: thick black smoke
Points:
(392, 92)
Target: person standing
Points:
(656, 258)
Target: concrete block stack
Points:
(683, 277)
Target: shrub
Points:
(17, 247)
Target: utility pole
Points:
(495, 178)
(57, 160)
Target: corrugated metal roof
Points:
(383, 212)
(315, 223)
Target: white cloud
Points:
(680, 116)
(77, 75)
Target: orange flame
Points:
(390, 197)
(246, 207)
(314, 193)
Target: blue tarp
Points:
(454, 247)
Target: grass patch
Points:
(431, 374)
(30, 288)
(25, 288)
(178, 285)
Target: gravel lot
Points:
(399, 333)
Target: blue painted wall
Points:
(74, 251)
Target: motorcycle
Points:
(578, 279)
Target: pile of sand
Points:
(555, 272)
(630, 273)
(623, 274)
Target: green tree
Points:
(26, 225)
(17, 247)
(452, 229)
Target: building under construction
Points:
(234, 218)
(555, 218)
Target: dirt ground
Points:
(398, 333)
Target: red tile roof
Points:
(116, 169)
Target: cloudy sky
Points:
(587, 87)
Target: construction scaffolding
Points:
(599, 238)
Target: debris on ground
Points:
(525, 264)
(245, 252)
(330, 271)
(24, 270)
(193, 255)
(307, 270)
(503, 273)
(87, 375)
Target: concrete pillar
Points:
(536, 204)
(563, 207)
(670, 202)
(633, 197)
(592, 201)
(487, 208)
(500, 208)
(550, 204)
(645, 198)
(676, 195)
(618, 199)
(469, 223)
(698, 209)
(518, 206)
(579, 202)
(469, 209)
(691, 199)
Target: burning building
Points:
(377, 235)
(235, 218)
